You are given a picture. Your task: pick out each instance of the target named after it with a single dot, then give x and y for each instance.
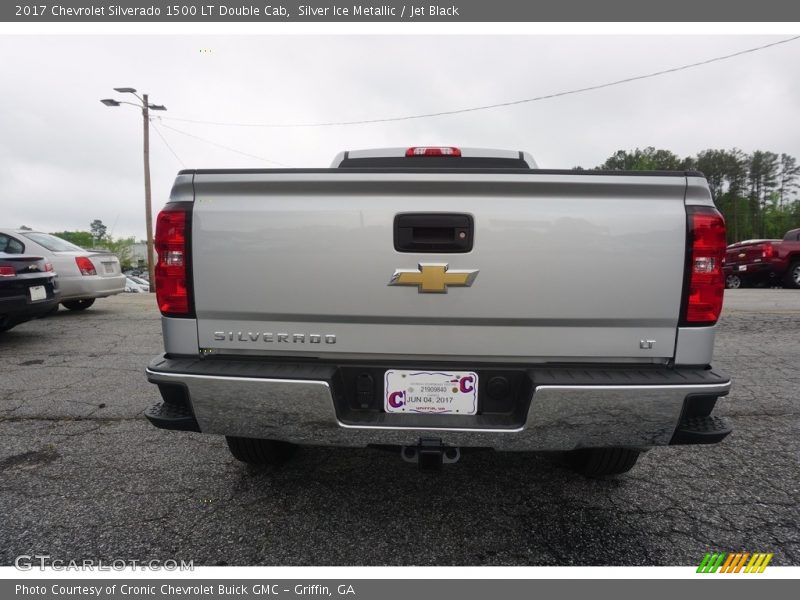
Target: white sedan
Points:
(136, 285)
(83, 275)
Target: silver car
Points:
(83, 275)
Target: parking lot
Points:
(84, 475)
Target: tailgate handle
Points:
(433, 232)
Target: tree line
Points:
(97, 238)
(757, 193)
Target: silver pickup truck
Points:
(438, 299)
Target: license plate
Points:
(109, 267)
(743, 267)
(434, 392)
(37, 292)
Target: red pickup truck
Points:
(764, 261)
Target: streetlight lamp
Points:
(146, 107)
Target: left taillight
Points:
(705, 283)
(85, 266)
(7, 272)
(172, 266)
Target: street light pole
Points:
(147, 198)
(146, 108)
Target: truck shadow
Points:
(370, 507)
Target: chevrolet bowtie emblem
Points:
(433, 278)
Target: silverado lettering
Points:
(296, 338)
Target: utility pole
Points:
(147, 196)
(146, 108)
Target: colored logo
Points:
(433, 278)
(396, 399)
(734, 562)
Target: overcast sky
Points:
(65, 159)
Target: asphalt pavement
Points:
(84, 475)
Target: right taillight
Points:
(85, 266)
(171, 271)
(705, 283)
(767, 251)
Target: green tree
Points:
(98, 230)
(736, 171)
(757, 193)
(83, 239)
(648, 159)
(762, 181)
(122, 248)
(773, 217)
(790, 171)
(726, 172)
(712, 163)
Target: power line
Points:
(228, 148)
(500, 104)
(166, 143)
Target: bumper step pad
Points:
(172, 416)
(701, 430)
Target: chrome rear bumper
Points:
(586, 409)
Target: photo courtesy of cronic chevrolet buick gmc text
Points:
(433, 299)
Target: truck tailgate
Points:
(570, 267)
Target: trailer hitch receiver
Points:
(430, 454)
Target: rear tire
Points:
(78, 304)
(792, 278)
(603, 462)
(260, 452)
(733, 282)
